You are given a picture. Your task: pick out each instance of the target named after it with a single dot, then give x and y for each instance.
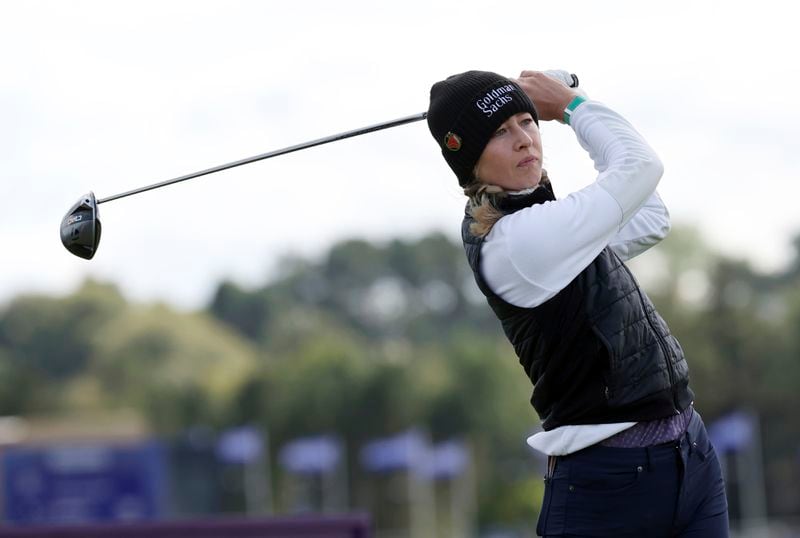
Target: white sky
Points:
(109, 96)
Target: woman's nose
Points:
(523, 139)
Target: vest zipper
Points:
(661, 343)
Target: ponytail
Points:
(484, 204)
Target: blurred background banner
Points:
(240, 445)
(316, 475)
(733, 432)
(245, 446)
(405, 451)
(447, 459)
(78, 483)
(309, 455)
(736, 436)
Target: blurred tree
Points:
(180, 369)
(316, 388)
(23, 389)
(53, 335)
(415, 290)
(247, 312)
(45, 342)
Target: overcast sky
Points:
(109, 96)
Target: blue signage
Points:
(79, 483)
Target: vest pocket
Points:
(604, 348)
(629, 378)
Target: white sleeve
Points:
(532, 254)
(646, 229)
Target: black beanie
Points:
(466, 109)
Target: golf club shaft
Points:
(275, 153)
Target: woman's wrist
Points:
(570, 108)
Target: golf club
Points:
(80, 227)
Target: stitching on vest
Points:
(631, 324)
(640, 351)
(611, 304)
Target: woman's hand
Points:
(549, 96)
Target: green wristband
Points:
(575, 103)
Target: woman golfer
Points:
(628, 455)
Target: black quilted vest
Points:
(597, 352)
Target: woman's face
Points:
(513, 157)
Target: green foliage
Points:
(317, 388)
(45, 342)
(245, 311)
(22, 389)
(53, 335)
(486, 391)
(414, 290)
(92, 351)
(182, 369)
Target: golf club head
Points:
(80, 227)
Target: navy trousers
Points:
(670, 490)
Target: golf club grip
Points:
(575, 82)
(565, 77)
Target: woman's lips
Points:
(527, 161)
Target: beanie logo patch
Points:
(452, 141)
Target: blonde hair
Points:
(484, 204)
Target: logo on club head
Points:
(74, 218)
(452, 141)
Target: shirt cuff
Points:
(575, 103)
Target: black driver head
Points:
(80, 227)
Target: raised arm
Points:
(532, 254)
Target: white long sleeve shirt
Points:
(532, 254)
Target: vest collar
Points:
(519, 200)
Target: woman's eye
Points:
(527, 121)
(499, 132)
